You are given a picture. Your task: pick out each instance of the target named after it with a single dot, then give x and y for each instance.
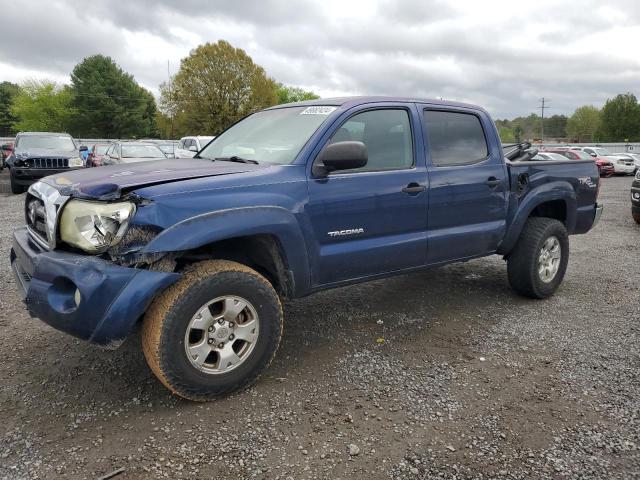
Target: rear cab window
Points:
(455, 138)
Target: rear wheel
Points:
(537, 264)
(214, 331)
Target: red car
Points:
(605, 167)
(96, 153)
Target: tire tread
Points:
(521, 262)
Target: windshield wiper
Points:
(237, 159)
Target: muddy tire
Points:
(537, 264)
(636, 217)
(214, 331)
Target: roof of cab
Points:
(348, 102)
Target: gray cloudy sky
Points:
(503, 55)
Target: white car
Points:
(189, 146)
(622, 164)
(549, 156)
(636, 159)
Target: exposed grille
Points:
(47, 162)
(36, 217)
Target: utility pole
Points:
(543, 104)
(170, 98)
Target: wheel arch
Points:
(268, 239)
(555, 200)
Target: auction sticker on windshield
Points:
(317, 110)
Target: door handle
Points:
(414, 187)
(493, 182)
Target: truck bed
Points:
(569, 186)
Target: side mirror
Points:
(593, 154)
(83, 148)
(193, 148)
(340, 156)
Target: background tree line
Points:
(215, 86)
(617, 121)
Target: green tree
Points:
(621, 119)
(287, 94)
(8, 92)
(518, 132)
(555, 126)
(584, 124)
(42, 105)
(506, 135)
(108, 101)
(216, 85)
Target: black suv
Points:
(635, 197)
(37, 154)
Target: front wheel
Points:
(15, 187)
(537, 264)
(214, 331)
(636, 216)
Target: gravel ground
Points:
(441, 374)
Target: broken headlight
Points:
(94, 226)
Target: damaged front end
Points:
(94, 293)
(113, 234)
(129, 251)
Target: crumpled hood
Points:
(43, 153)
(110, 182)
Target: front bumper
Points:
(85, 296)
(27, 176)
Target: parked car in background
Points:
(635, 158)
(96, 152)
(5, 151)
(189, 146)
(622, 164)
(548, 156)
(605, 166)
(635, 197)
(131, 152)
(169, 148)
(39, 154)
(84, 153)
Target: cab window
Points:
(455, 138)
(387, 136)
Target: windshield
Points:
(274, 136)
(602, 152)
(167, 147)
(582, 155)
(141, 151)
(50, 142)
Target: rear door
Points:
(372, 220)
(467, 184)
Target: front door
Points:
(371, 220)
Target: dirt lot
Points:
(471, 381)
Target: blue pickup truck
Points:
(289, 201)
